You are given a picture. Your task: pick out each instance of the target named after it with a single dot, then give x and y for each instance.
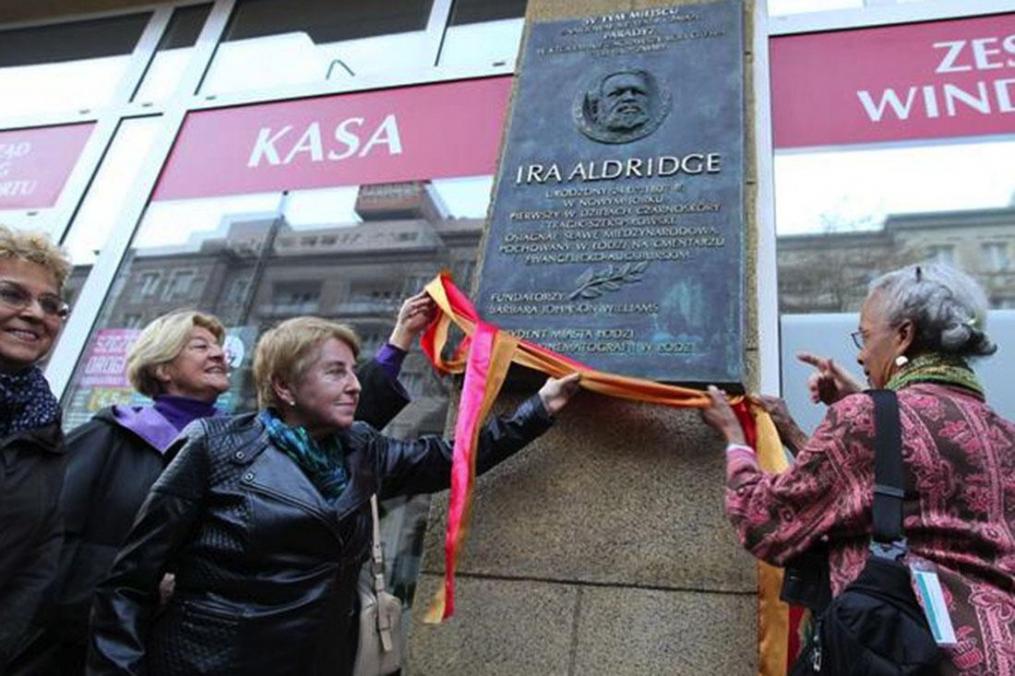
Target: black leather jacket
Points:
(31, 474)
(266, 569)
(109, 473)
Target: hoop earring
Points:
(901, 360)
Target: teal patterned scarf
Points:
(322, 462)
(937, 368)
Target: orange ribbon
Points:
(485, 355)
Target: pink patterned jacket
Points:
(959, 511)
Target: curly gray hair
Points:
(947, 307)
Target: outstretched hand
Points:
(720, 417)
(789, 432)
(556, 392)
(830, 382)
(415, 315)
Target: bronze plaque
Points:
(617, 231)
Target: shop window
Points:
(97, 214)
(845, 216)
(109, 190)
(361, 281)
(897, 168)
(172, 54)
(66, 67)
(483, 33)
(255, 245)
(270, 44)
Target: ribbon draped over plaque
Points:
(485, 354)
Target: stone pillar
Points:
(603, 547)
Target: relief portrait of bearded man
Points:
(620, 106)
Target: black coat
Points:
(110, 471)
(31, 474)
(266, 569)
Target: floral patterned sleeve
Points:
(777, 516)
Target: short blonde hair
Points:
(288, 350)
(35, 247)
(161, 342)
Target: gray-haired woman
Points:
(918, 327)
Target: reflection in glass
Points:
(268, 43)
(107, 195)
(483, 33)
(173, 54)
(69, 66)
(351, 254)
(35, 219)
(844, 217)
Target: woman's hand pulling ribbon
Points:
(485, 354)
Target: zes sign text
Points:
(916, 81)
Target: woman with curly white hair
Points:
(32, 273)
(919, 327)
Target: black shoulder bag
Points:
(875, 627)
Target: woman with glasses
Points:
(179, 362)
(919, 327)
(32, 273)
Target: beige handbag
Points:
(380, 617)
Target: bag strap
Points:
(887, 539)
(377, 549)
(384, 627)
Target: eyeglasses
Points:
(858, 339)
(18, 297)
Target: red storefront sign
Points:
(35, 163)
(926, 80)
(428, 131)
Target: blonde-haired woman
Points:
(266, 518)
(114, 459)
(32, 273)
(179, 362)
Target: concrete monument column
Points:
(603, 547)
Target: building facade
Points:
(261, 160)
